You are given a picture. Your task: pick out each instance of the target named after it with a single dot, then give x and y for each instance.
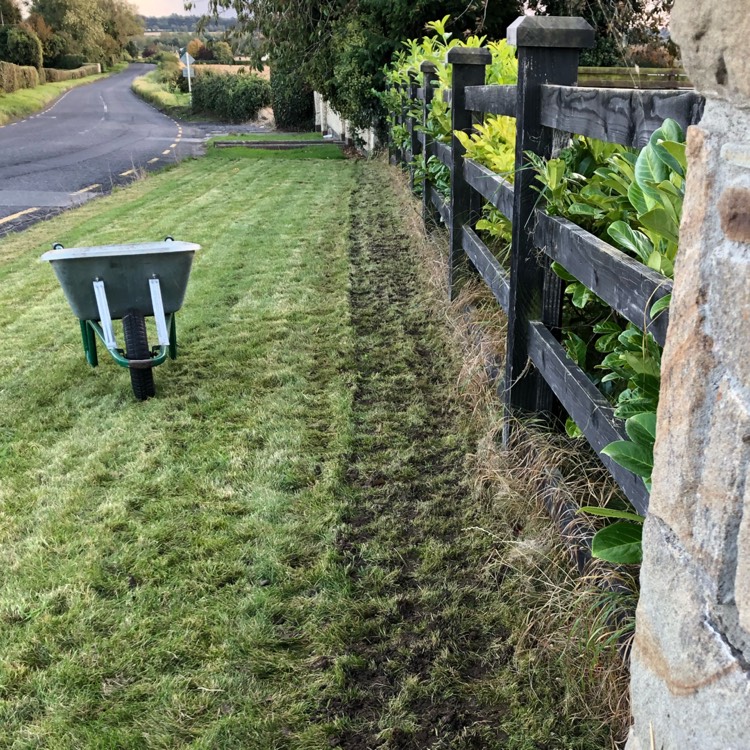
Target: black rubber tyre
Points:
(136, 347)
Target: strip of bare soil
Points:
(407, 473)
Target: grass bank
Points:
(288, 548)
(174, 103)
(26, 102)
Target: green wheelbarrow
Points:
(128, 283)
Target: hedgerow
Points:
(232, 97)
(15, 77)
(291, 99)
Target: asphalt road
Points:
(92, 138)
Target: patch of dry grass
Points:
(577, 623)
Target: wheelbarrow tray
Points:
(125, 271)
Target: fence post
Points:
(469, 65)
(429, 77)
(547, 53)
(414, 143)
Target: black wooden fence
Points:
(545, 101)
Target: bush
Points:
(232, 97)
(15, 77)
(164, 57)
(68, 62)
(20, 45)
(292, 100)
(169, 73)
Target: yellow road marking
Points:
(125, 174)
(6, 219)
(151, 161)
(86, 189)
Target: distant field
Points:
(200, 69)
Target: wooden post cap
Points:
(427, 67)
(550, 31)
(469, 56)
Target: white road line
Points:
(164, 153)
(151, 161)
(125, 174)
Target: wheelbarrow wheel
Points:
(136, 347)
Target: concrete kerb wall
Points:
(691, 656)
(328, 121)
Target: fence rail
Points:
(547, 100)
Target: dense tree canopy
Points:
(10, 12)
(20, 45)
(618, 23)
(97, 30)
(341, 46)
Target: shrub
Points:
(169, 73)
(68, 62)
(20, 45)
(292, 100)
(164, 57)
(231, 97)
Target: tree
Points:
(20, 45)
(221, 52)
(341, 46)
(195, 48)
(617, 24)
(10, 13)
(97, 29)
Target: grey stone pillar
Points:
(691, 658)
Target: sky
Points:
(167, 7)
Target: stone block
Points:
(713, 45)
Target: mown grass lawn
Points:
(287, 548)
(161, 563)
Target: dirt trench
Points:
(418, 666)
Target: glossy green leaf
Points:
(572, 429)
(641, 429)
(606, 343)
(620, 543)
(581, 295)
(624, 515)
(576, 348)
(660, 305)
(641, 365)
(648, 385)
(637, 198)
(607, 326)
(635, 458)
(633, 406)
(659, 221)
(584, 209)
(630, 239)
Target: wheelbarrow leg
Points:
(89, 343)
(172, 337)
